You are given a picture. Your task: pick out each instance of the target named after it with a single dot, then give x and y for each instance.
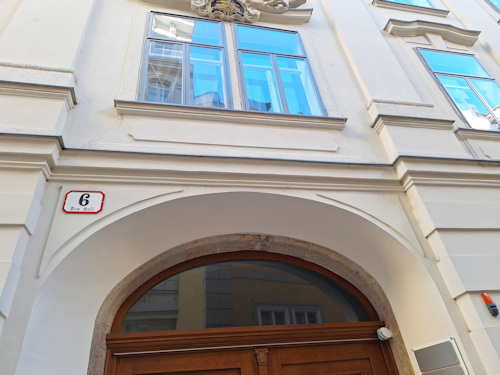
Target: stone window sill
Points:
(125, 107)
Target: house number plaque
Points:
(83, 202)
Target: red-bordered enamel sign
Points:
(83, 202)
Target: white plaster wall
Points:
(45, 33)
(422, 254)
(64, 311)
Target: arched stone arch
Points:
(310, 252)
(99, 272)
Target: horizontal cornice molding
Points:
(66, 93)
(426, 171)
(411, 122)
(22, 152)
(448, 32)
(410, 8)
(125, 107)
(73, 166)
(38, 81)
(469, 133)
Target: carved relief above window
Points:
(275, 11)
(226, 10)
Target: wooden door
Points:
(336, 349)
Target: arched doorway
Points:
(247, 313)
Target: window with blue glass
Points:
(184, 62)
(420, 3)
(275, 73)
(473, 90)
(495, 4)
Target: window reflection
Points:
(298, 87)
(265, 40)
(474, 92)
(275, 72)
(454, 63)
(185, 29)
(185, 62)
(207, 79)
(421, 3)
(242, 293)
(260, 83)
(164, 73)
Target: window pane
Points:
(241, 294)
(207, 78)
(266, 318)
(164, 74)
(422, 3)
(298, 87)
(254, 38)
(300, 317)
(466, 99)
(312, 318)
(453, 63)
(185, 29)
(279, 318)
(490, 92)
(260, 83)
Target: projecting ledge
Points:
(125, 107)
(36, 90)
(417, 136)
(421, 28)
(411, 122)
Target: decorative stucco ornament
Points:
(242, 10)
(276, 6)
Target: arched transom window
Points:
(242, 292)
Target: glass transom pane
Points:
(242, 293)
(185, 29)
(454, 63)
(265, 40)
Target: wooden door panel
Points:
(239, 362)
(352, 358)
(352, 367)
(209, 372)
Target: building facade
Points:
(358, 140)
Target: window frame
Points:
(239, 255)
(493, 5)
(409, 2)
(289, 312)
(149, 38)
(278, 81)
(466, 79)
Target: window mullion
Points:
(279, 84)
(186, 81)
